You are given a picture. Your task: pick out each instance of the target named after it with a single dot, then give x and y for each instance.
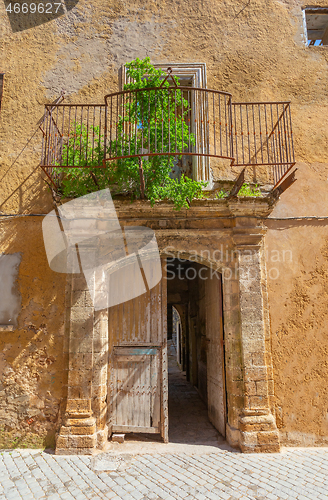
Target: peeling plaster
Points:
(132, 39)
(78, 63)
(88, 55)
(10, 299)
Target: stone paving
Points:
(295, 474)
(196, 464)
(188, 420)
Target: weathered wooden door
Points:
(215, 354)
(138, 364)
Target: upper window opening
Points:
(316, 19)
(189, 75)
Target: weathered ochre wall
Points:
(297, 263)
(32, 372)
(254, 50)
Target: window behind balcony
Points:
(193, 76)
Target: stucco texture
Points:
(256, 50)
(31, 360)
(297, 263)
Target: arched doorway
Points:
(195, 346)
(109, 351)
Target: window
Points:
(10, 300)
(316, 23)
(190, 75)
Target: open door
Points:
(216, 399)
(138, 388)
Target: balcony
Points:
(202, 128)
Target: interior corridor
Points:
(188, 418)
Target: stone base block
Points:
(260, 449)
(257, 423)
(74, 451)
(77, 434)
(118, 438)
(259, 434)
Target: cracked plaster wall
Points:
(32, 365)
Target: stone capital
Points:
(248, 237)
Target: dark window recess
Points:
(316, 19)
(1, 87)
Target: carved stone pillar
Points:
(84, 426)
(258, 430)
(78, 433)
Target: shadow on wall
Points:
(23, 16)
(32, 376)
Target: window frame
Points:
(197, 73)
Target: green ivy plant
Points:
(246, 191)
(122, 176)
(221, 194)
(249, 191)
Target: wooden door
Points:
(138, 364)
(216, 402)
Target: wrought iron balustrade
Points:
(262, 135)
(174, 121)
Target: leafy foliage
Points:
(221, 194)
(249, 191)
(150, 111)
(82, 152)
(246, 191)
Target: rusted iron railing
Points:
(175, 121)
(73, 136)
(262, 135)
(206, 109)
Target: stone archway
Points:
(250, 422)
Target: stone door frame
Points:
(248, 364)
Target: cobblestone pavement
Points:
(294, 474)
(196, 464)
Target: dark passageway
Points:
(188, 418)
(197, 399)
